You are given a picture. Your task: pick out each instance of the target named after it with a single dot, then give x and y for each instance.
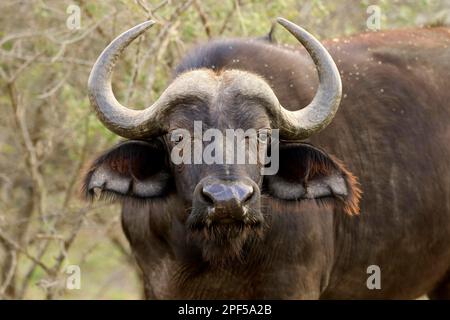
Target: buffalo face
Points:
(222, 204)
(224, 194)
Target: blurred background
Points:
(48, 133)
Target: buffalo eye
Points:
(176, 137)
(264, 136)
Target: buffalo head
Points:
(220, 204)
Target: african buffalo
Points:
(371, 191)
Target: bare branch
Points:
(10, 273)
(203, 18)
(17, 247)
(240, 17)
(22, 68)
(227, 19)
(56, 87)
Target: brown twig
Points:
(227, 19)
(55, 270)
(203, 18)
(240, 17)
(10, 273)
(17, 247)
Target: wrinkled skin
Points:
(391, 132)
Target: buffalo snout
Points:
(228, 200)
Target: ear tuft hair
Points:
(132, 169)
(307, 172)
(353, 198)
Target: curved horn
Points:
(121, 120)
(318, 114)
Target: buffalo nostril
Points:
(208, 195)
(245, 193)
(216, 193)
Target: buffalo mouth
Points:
(225, 240)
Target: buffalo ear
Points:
(306, 172)
(132, 169)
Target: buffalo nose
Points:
(227, 197)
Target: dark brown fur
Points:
(392, 132)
